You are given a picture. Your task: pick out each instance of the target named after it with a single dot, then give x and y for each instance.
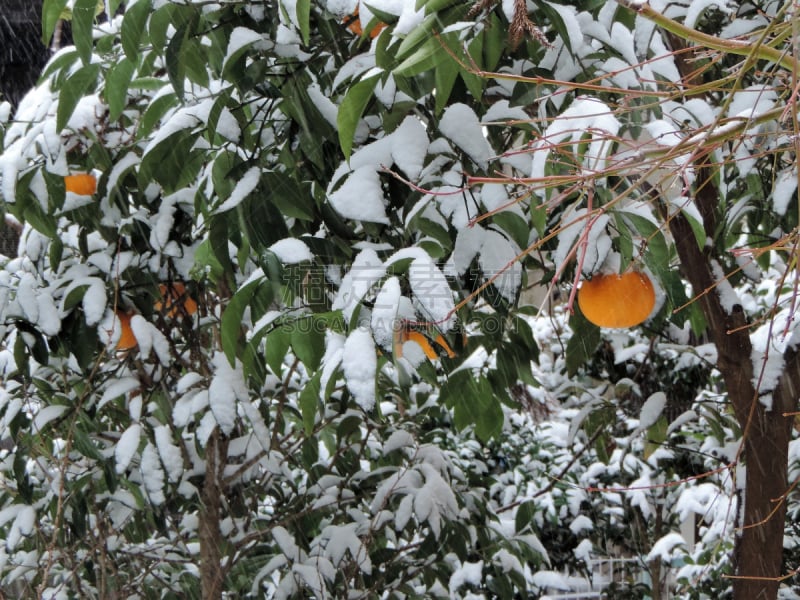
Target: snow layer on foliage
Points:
(152, 475)
(467, 573)
(652, 409)
(752, 101)
(118, 387)
(169, 453)
(127, 446)
(769, 345)
(360, 197)
(367, 269)
(150, 338)
(665, 547)
(497, 257)
(406, 10)
(598, 241)
(585, 116)
(47, 414)
(226, 389)
(432, 295)
(291, 251)
(783, 191)
(244, 187)
(460, 124)
(384, 313)
(331, 359)
(360, 363)
(406, 147)
(697, 7)
(241, 37)
(24, 522)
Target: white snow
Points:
(244, 187)
(360, 197)
(467, 574)
(460, 124)
(127, 446)
(291, 251)
(227, 387)
(384, 312)
(360, 363)
(652, 409)
(665, 547)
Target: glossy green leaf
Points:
(83, 13)
(118, 80)
(51, 13)
(309, 401)
(231, 323)
(350, 111)
(79, 84)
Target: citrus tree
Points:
(264, 333)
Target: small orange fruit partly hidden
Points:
(354, 25)
(127, 341)
(174, 295)
(403, 335)
(614, 300)
(84, 184)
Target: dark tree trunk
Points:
(211, 569)
(766, 431)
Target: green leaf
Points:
(83, 443)
(350, 111)
(445, 74)
(303, 8)
(166, 162)
(309, 401)
(308, 341)
(526, 517)
(51, 14)
(76, 87)
(514, 225)
(154, 112)
(231, 323)
(583, 343)
(425, 58)
(83, 13)
(417, 36)
(277, 346)
(174, 59)
(118, 80)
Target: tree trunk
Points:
(211, 574)
(759, 545)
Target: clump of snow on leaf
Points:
(460, 124)
(360, 197)
(360, 363)
(291, 251)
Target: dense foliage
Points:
(325, 245)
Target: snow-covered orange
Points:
(84, 184)
(617, 300)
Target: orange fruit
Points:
(127, 341)
(403, 335)
(614, 300)
(173, 294)
(354, 25)
(84, 184)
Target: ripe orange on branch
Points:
(614, 300)
(84, 184)
(354, 24)
(403, 335)
(173, 297)
(127, 341)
